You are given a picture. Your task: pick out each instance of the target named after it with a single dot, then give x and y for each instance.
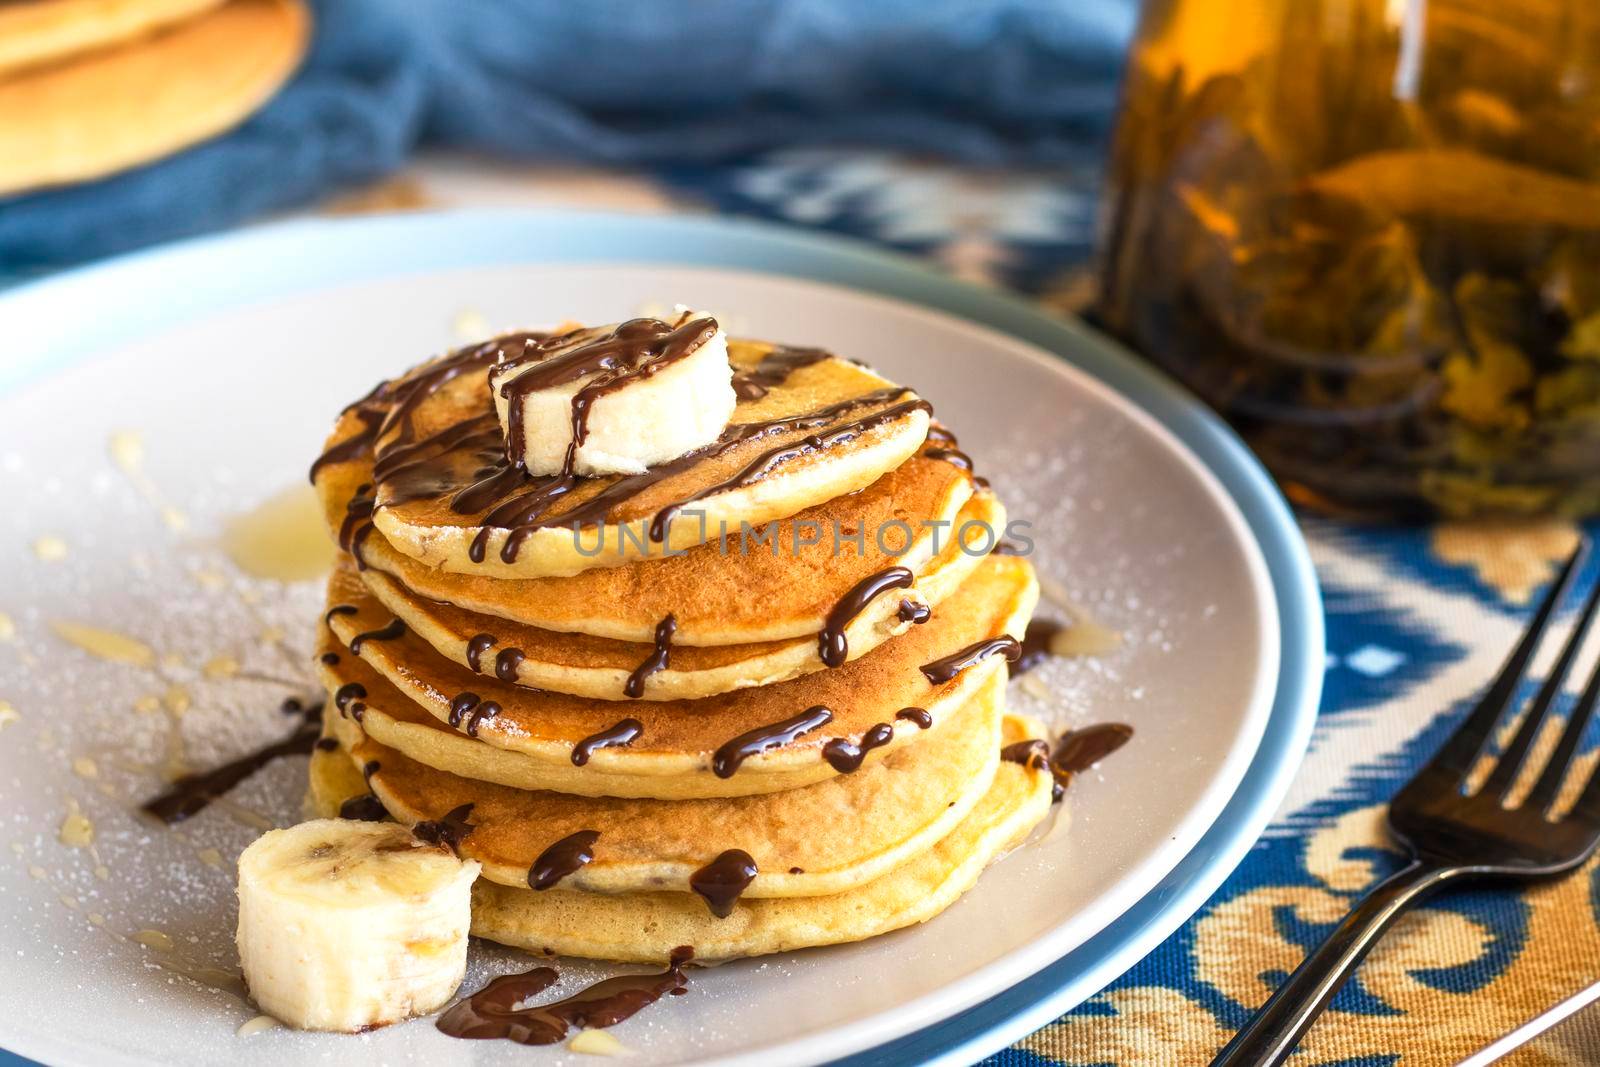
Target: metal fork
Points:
(1454, 835)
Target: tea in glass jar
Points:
(1368, 231)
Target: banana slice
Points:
(349, 925)
(621, 398)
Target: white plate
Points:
(232, 407)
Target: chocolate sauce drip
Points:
(327, 744)
(632, 351)
(469, 707)
(723, 880)
(623, 733)
(363, 532)
(476, 647)
(562, 858)
(765, 463)
(492, 1012)
(339, 609)
(387, 633)
(461, 704)
(352, 447)
(492, 484)
(369, 768)
(363, 808)
(193, 793)
(1007, 548)
(727, 759)
(953, 456)
(401, 463)
(774, 369)
(1035, 645)
(919, 716)
(832, 646)
(1081, 749)
(658, 660)
(507, 662)
(449, 830)
(356, 512)
(914, 613)
(329, 658)
(1033, 753)
(942, 670)
(346, 693)
(845, 756)
(487, 710)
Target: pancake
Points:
(673, 756)
(768, 592)
(646, 927)
(99, 112)
(827, 429)
(825, 838)
(33, 32)
(618, 670)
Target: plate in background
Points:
(230, 357)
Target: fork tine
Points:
(1460, 750)
(1548, 787)
(1512, 759)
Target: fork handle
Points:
(1272, 1035)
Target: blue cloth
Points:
(615, 81)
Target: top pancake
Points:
(828, 428)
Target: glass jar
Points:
(1368, 231)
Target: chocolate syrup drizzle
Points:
(1035, 645)
(493, 1011)
(845, 756)
(193, 793)
(658, 660)
(913, 612)
(476, 647)
(529, 510)
(473, 709)
(944, 669)
(622, 734)
(449, 830)
(774, 369)
(339, 609)
(562, 858)
(507, 663)
(833, 648)
(722, 881)
(1076, 751)
(919, 716)
(727, 759)
(394, 629)
(346, 694)
(364, 808)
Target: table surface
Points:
(1418, 619)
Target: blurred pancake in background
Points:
(92, 113)
(34, 32)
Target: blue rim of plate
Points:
(144, 292)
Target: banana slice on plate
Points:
(348, 925)
(615, 399)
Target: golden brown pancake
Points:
(749, 592)
(102, 111)
(646, 927)
(34, 32)
(619, 670)
(679, 739)
(845, 428)
(821, 839)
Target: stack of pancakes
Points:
(748, 701)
